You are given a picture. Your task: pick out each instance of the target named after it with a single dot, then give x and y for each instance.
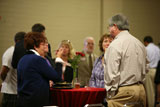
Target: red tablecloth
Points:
(77, 97)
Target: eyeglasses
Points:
(44, 43)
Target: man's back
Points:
(153, 55)
(125, 62)
(130, 56)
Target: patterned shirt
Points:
(97, 77)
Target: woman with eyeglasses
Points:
(34, 72)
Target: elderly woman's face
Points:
(106, 43)
(42, 49)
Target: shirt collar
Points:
(34, 52)
(150, 44)
(124, 31)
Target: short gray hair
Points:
(88, 38)
(120, 20)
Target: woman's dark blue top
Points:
(34, 74)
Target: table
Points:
(77, 97)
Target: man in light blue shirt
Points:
(153, 52)
(153, 56)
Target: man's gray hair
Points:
(88, 38)
(120, 20)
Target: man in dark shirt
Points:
(20, 51)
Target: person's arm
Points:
(49, 72)
(6, 62)
(4, 72)
(111, 71)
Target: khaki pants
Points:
(132, 96)
(150, 87)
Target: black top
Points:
(68, 74)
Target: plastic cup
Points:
(77, 85)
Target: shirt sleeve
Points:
(59, 60)
(7, 57)
(111, 70)
(49, 72)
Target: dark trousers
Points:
(9, 100)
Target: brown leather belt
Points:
(137, 83)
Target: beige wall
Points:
(64, 19)
(76, 19)
(143, 16)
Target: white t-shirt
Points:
(9, 85)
